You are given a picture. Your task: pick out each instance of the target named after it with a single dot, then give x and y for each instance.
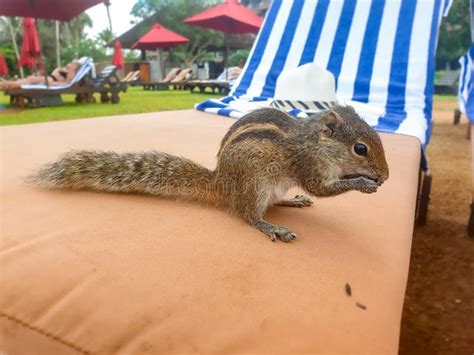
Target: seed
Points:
(360, 305)
(348, 289)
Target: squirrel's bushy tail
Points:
(149, 172)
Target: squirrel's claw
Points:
(284, 233)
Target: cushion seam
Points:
(45, 333)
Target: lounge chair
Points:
(466, 106)
(221, 85)
(179, 82)
(84, 86)
(131, 77)
(447, 83)
(109, 273)
(164, 84)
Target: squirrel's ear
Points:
(330, 123)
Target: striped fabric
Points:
(466, 85)
(381, 53)
(466, 79)
(87, 66)
(307, 106)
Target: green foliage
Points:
(131, 56)
(86, 47)
(455, 33)
(10, 58)
(105, 37)
(171, 15)
(235, 58)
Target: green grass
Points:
(445, 97)
(135, 100)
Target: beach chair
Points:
(447, 83)
(466, 106)
(109, 273)
(220, 85)
(164, 84)
(84, 85)
(131, 77)
(180, 80)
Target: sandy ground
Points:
(438, 316)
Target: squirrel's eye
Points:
(360, 149)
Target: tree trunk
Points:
(58, 57)
(107, 4)
(15, 47)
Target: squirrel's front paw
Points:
(367, 186)
(274, 231)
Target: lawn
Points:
(135, 100)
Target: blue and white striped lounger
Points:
(382, 54)
(466, 83)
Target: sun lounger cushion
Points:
(85, 272)
(86, 67)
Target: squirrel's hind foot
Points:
(297, 201)
(274, 231)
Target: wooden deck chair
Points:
(126, 77)
(112, 273)
(131, 77)
(164, 84)
(220, 85)
(466, 106)
(182, 78)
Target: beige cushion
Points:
(134, 274)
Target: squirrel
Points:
(262, 155)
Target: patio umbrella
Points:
(3, 66)
(230, 17)
(117, 59)
(61, 10)
(159, 37)
(30, 49)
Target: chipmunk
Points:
(262, 155)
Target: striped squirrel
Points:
(262, 155)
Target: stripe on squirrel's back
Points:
(260, 134)
(254, 130)
(277, 118)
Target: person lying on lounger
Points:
(61, 75)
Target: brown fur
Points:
(262, 155)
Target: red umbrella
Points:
(229, 17)
(62, 10)
(117, 59)
(159, 37)
(30, 50)
(3, 66)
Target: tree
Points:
(171, 15)
(455, 33)
(9, 30)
